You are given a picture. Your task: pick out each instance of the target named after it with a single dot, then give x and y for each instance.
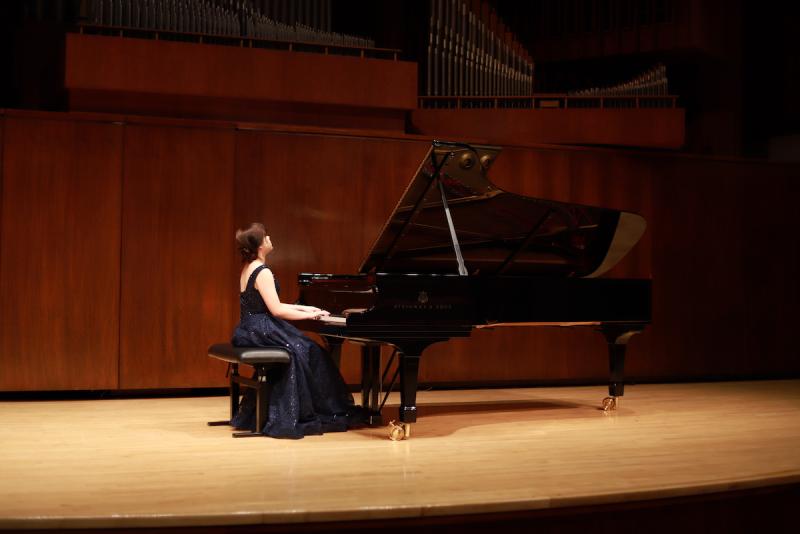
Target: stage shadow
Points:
(475, 414)
(428, 410)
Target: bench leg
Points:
(233, 389)
(263, 391)
(262, 400)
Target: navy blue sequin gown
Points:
(309, 396)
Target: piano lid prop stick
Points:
(461, 269)
(438, 177)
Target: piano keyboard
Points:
(334, 319)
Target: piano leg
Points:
(617, 337)
(335, 344)
(409, 370)
(371, 381)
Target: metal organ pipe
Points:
(467, 57)
(283, 20)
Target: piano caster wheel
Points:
(610, 404)
(399, 431)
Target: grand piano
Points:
(459, 253)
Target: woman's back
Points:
(250, 300)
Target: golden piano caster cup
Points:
(399, 431)
(610, 404)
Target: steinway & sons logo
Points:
(423, 303)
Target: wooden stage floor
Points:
(154, 462)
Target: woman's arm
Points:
(301, 307)
(265, 283)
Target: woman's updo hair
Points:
(249, 240)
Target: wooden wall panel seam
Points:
(121, 220)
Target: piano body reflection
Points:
(458, 253)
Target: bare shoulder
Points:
(264, 276)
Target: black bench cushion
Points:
(249, 355)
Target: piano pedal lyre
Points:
(610, 404)
(399, 431)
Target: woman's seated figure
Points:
(309, 395)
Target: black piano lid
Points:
(499, 232)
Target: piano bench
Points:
(262, 359)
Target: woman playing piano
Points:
(310, 396)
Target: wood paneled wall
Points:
(173, 68)
(170, 78)
(5, 366)
(725, 263)
(59, 287)
(178, 271)
(166, 199)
